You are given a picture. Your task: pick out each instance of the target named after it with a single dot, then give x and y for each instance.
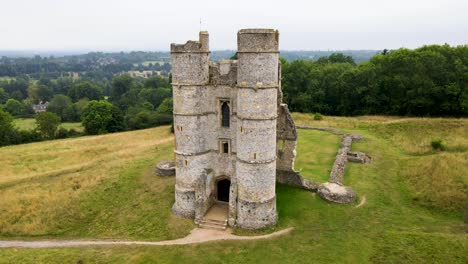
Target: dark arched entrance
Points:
(223, 190)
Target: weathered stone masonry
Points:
(228, 118)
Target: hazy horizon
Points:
(145, 25)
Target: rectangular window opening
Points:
(224, 146)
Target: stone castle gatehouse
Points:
(232, 133)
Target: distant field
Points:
(30, 124)
(104, 187)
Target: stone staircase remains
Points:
(213, 224)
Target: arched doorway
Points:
(223, 187)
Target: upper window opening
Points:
(225, 114)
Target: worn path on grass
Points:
(197, 235)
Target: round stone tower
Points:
(190, 76)
(257, 100)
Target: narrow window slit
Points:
(225, 114)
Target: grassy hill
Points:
(104, 187)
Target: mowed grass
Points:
(316, 153)
(391, 227)
(30, 124)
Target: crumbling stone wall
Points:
(287, 139)
(338, 169)
(333, 190)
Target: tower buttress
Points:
(257, 103)
(190, 75)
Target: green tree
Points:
(63, 85)
(17, 95)
(336, 58)
(85, 90)
(3, 96)
(157, 82)
(154, 96)
(118, 120)
(7, 129)
(165, 107)
(100, 117)
(59, 105)
(74, 111)
(47, 124)
(120, 85)
(39, 93)
(14, 107)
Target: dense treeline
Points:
(428, 81)
(128, 103)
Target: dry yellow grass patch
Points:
(440, 180)
(40, 181)
(60, 157)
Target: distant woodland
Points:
(428, 81)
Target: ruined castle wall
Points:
(257, 82)
(287, 139)
(258, 121)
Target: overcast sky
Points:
(303, 24)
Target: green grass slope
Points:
(119, 197)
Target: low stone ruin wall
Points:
(338, 169)
(333, 190)
(294, 178)
(165, 168)
(359, 157)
